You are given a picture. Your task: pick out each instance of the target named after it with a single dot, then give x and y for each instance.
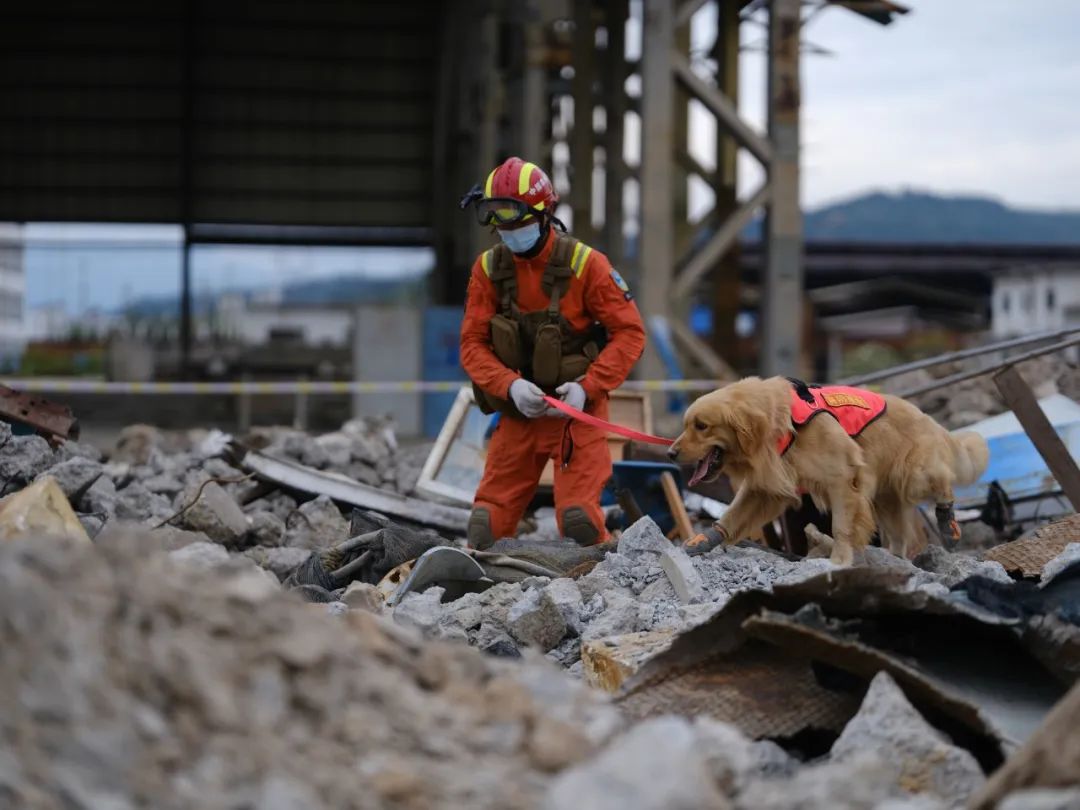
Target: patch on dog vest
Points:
(838, 400)
(853, 408)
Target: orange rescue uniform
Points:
(520, 448)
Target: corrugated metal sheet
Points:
(315, 113)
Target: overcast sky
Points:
(958, 96)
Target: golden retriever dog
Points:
(899, 458)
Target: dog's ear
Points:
(750, 428)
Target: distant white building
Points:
(1035, 300)
(12, 294)
(314, 324)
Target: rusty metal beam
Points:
(50, 419)
(1021, 400)
(721, 107)
(706, 258)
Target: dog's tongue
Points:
(701, 470)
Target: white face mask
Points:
(521, 240)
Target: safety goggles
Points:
(498, 211)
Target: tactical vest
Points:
(853, 408)
(540, 345)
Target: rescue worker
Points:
(545, 313)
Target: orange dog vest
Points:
(853, 408)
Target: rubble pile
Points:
(645, 585)
(962, 404)
(187, 658)
(151, 476)
(130, 681)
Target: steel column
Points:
(782, 282)
(656, 232)
(726, 286)
(581, 138)
(615, 113)
(187, 167)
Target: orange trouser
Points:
(516, 457)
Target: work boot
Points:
(578, 527)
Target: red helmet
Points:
(514, 191)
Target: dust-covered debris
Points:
(655, 766)
(130, 681)
(921, 758)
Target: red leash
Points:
(610, 427)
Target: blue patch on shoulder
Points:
(620, 282)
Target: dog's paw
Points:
(705, 542)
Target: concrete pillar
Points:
(782, 282)
(657, 114)
(387, 348)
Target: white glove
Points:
(573, 395)
(528, 398)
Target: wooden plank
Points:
(1019, 397)
(676, 505)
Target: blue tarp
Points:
(1014, 462)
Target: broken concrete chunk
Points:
(279, 561)
(921, 758)
(734, 759)
(279, 503)
(100, 498)
(338, 449)
(363, 596)
(420, 610)
(136, 503)
(955, 568)
(1070, 555)
(618, 616)
(163, 484)
(364, 473)
(536, 620)
(654, 766)
(336, 608)
(314, 455)
(466, 612)
(863, 781)
(1042, 799)
(683, 576)
(171, 538)
(135, 444)
(644, 537)
(24, 458)
(267, 529)
(317, 524)
(567, 598)
(607, 663)
(70, 449)
(201, 555)
(40, 510)
(75, 476)
(213, 512)
(494, 640)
